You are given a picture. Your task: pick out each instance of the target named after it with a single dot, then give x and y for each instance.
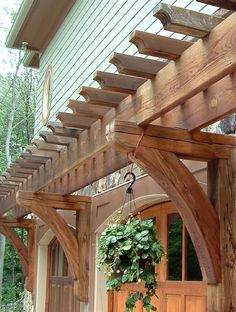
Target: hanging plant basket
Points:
(128, 251)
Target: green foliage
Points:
(129, 249)
(22, 131)
(13, 279)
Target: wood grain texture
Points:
(74, 121)
(83, 235)
(27, 164)
(49, 137)
(201, 146)
(184, 21)
(56, 201)
(221, 190)
(187, 76)
(102, 97)
(118, 83)
(160, 46)
(193, 205)
(82, 108)
(19, 223)
(204, 108)
(31, 257)
(42, 145)
(58, 129)
(136, 66)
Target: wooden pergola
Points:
(153, 111)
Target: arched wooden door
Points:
(60, 296)
(181, 288)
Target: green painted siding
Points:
(90, 33)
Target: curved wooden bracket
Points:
(22, 251)
(194, 206)
(44, 205)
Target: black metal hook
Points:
(129, 189)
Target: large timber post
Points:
(222, 193)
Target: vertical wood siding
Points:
(90, 33)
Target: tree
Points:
(17, 104)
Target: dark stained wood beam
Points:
(160, 46)
(50, 138)
(18, 174)
(8, 186)
(56, 201)
(83, 108)
(198, 146)
(58, 129)
(17, 180)
(7, 182)
(26, 164)
(28, 157)
(102, 97)
(136, 66)
(42, 145)
(4, 188)
(226, 4)
(203, 109)
(71, 120)
(221, 180)
(17, 168)
(41, 153)
(83, 235)
(184, 21)
(17, 223)
(118, 83)
(180, 80)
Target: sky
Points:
(6, 7)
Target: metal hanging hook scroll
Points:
(130, 189)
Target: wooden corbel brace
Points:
(162, 164)
(45, 206)
(26, 254)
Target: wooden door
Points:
(181, 288)
(60, 296)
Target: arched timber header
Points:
(44, 205)
(25, 253)
(157, 152)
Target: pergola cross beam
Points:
(191, 92)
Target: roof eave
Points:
(20, 18)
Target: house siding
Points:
(83, 44)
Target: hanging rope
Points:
(129, 191)
(136, 149)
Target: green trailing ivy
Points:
(128, 250)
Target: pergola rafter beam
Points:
(189, 75)
(184, 21)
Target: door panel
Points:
(181, 293)
(173, 303)
(195, 303)
(60, 295)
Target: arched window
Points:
(47, 94)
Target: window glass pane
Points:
(175, 226)
(193, 268)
